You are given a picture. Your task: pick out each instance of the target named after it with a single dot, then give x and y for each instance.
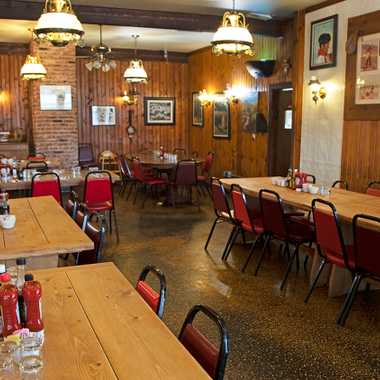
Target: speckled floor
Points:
(273, 335)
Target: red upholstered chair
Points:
(373, 188)
(185, 178)
(366, 263)
(148, 181)
(222, 210)
(155, 300)
(213, 359)
(127, 177)
(47, 184)
(98, 196)
(329, 239)
(341, 184)
(246, 221)
(203, 179)
(277, 225)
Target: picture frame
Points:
(197, 111)
(248, 111)
(103, 116)
(221, 126)
(324, 43)
(159, 111)
(55, 98)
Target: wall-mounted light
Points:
(234, 93)
(205, 98)
(317, 90)
(130, 98)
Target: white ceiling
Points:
(279, 8)
(16, 31)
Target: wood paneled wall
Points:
(14, 102)
(241, 154)
(166, 79)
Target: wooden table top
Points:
(66, 177)
(347, 203)
(151, 159)
(98, 327)
(42, 228)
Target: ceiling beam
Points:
(146, 55)
(31, 10)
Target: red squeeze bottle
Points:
(9, 309)
(32, 299)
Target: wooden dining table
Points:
(67, 179)
(347, 203)
(153, 160)
(98, 327)
(43, 230)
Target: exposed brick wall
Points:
(55, 133)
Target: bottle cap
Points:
(5, 277)
(28, 277)
(21, 261)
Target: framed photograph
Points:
(159, 111)
(248, 111)
(197, 110)
(103, 115)
(55, 98)
(324, 43)
(221, 118)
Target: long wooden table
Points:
(150, 159)
(98, 327)
(347, 203)
(67, 179)
(43, 228)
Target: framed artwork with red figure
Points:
(324, 43)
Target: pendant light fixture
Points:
(136, 73)
(33, 68)
(58, 24)
(99, 58)
(233, 36)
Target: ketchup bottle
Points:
(31, 293)
(9, 309)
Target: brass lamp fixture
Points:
(58, 24)
(317, 90)
(136, 73)
(33, 69)
(130, 97)
(205, 98)
(233, 36)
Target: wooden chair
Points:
(373, 188)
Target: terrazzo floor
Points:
(273, 334)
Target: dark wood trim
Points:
(148, 55)
(324, 4)
(272, 88)
(13, 48)
(31, 10)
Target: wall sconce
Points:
(234, 93)
(130, 98)
(318, 91)
(205, 98)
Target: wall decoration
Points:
(248, 110)
(221, 117)
(159, 111)
(368, 70)
(197, 110)
(324, 43)
(103, 115)
(55, 98)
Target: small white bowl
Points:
(314, 190)
(7, 221)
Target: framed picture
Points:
(221, 118)
(324, 43)
(197, 110)
(103, 115)
(55, 98)
(159, 111)
(248, 111)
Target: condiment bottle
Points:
(9, 309)
(5, 277)
(32, 302)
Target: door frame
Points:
(272, 88)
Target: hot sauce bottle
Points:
(9, 309)
(31, 293)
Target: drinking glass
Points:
(31, 362)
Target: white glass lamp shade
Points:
(33, 69)
(233, 36)
(136, 73)
(58, 24)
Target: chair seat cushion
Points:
(154, 181)
(300, 230)
(103, 206)
(339, 261)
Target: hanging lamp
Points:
(58, 24)
(99, 58)
(33, 68)
(136, 73)
(233, 36)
